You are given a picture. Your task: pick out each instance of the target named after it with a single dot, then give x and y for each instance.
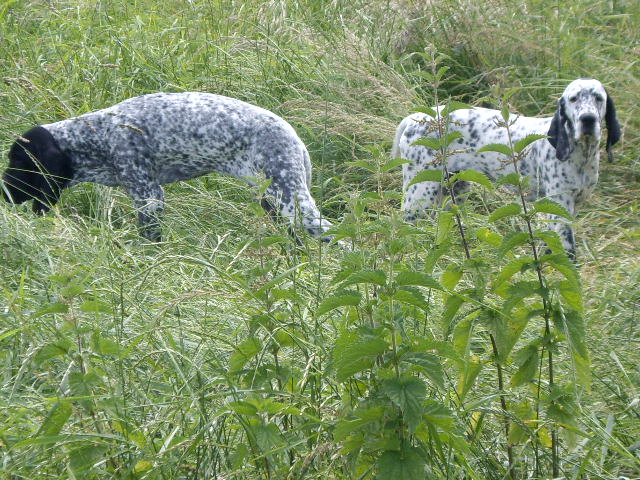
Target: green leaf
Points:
(404, 464)
(95, 306)
(571, 324)
(244, 352)
(528, 358)
(512, 240)
(492, 238)
(429, 142)
(440, 73)
(462, 334)
(51, 350)
(551, 239)
(339, 300)
(393, 163)
(505, 112)
(505, 211)
(521, 144)
(408, 393)
(268, 436)
(55, 420)
(451, 307)
(364, 164)
(426, 176)
(418, 279)
(446, 221)
(105, 346)
(376, 277)
(514, 179)
(243, 408)
(475, 177)
(468, 375)
(547, 205)
(454, 105)
(450, 137)
(55, 307)
(437, 414)
(451, 276)
(510, 269)
(353, 353)
(429, 364)
(572, 295)
(496, 147)
(426, 110)
(82, 459)
(344, 428)
(411, 296)
(564, 265)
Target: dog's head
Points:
(582, 108)
(38, 170)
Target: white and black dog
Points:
(563, 167)
(147, 141)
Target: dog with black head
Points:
(145, 142)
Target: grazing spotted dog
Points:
(147, 141)
(563, 167)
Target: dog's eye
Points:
(599, 98)
(573, 98)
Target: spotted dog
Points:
(147, 141)
(563, 167)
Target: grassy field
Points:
(225, 352)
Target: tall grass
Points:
(205, 356)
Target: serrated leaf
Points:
(564, 265)
(505, 211)
(376, 277)
(337, 301)
(429, 142)
(429, 364)
(572, 295)
(363, 164)
(492, 238)
(82, 459)
(244, 352)
(571, 324)
(417, 279)
(547, 205)
(496, 147)
(505, 112)
(462, 334)
(437, 414)
(513, 178)
(243, 408)
(450, 277)
(511, 241)
(404, 464)
(268, 436)
(426, 176)
(142, 466)
(450, 137)
(528, 358)
(551, 239)
(523, 143)
(55, 420)
(446, 221)
(468, 375)
(393, 163)
(95, 306)
(475, 177)
(103, 345)
(451, 306)
(426, 110)
(411, 296)
(440, 73)
(54, 349)
(55, 307)
(353, 353)
(510, 269)
(454, 105)
(345, 428)
(408, 394)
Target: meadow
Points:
(444, 350)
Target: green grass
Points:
(130, 371)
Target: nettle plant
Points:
(455, 337)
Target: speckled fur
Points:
(147, 141)
(563, 167)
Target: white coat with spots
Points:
(563, 167)
(147, 141)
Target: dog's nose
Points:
(588, 121)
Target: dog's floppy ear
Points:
(557, 134)
(613, 127)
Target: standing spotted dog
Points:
(147, 141)
(563, 167)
